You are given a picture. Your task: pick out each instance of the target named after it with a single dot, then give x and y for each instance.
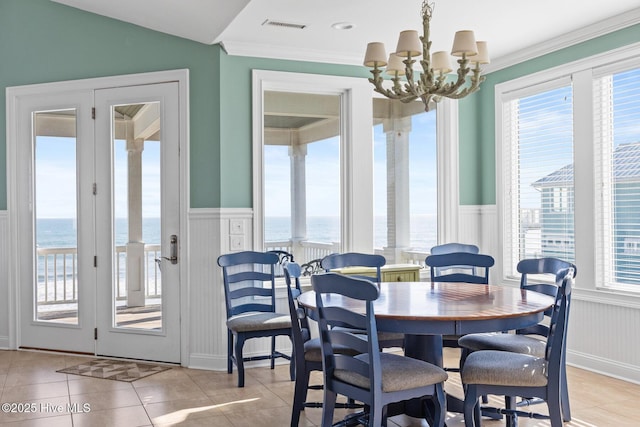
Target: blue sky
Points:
(323, 173)
(56, 180)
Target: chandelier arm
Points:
(410, 86)
(377, 80)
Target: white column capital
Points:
(135, 145)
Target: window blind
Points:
(539, 212)
(617, 148)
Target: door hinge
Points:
(93, 113)
(95, 188)
(95, 260)
(95, 333)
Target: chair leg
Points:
(240, 360)
(273, 352)
(229, 352)
(328, 406)
(440, 411)
(512, 418)
(299, 396)
(376, 416)
(292, 364)
(554, 403)
(470, 403)
(564, 396)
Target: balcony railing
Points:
(58, 274)
(305, 251)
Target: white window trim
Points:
(356, 189)
(581, 73)
(357, 177)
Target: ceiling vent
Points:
(284, 24)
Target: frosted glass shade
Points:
(395, 65)
(464, 43)
(375, 55)
(483, 54)
(440, 62)
(409, 44)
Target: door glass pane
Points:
(137, 287)
(55, 228)
(302, 174)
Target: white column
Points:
(397, 131)
(298, 154)
(135, 245)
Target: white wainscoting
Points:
(603, 328)
(213, 232)
(5, 301)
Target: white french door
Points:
(95, 200)
(137, 211)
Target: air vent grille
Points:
(284, 24)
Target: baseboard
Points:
(602, 366)
(4, 343)
(217, 363)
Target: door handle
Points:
(173, 251)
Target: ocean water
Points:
(61, 232)
(326, 229)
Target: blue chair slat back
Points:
(256, 279)
(354, 259)
(438, 263)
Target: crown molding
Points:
(589, 32)
(572, 38)
(258, 50)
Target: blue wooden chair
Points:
(249, 289)
(355, 259)
(531, 340)
(516, 374)
(466, 267)
(448, 248)
(371, 377)
(306, 350)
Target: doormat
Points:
(117, 370)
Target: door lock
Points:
(173, 241)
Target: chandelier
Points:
(431, 83)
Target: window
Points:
(569, 155)
(405, 176)
(302, 174)
(316, 158)
(617, 145)
(539, 143)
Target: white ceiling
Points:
(513, 28)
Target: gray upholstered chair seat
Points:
(492, 367)
(313, 350)
(398, 373)
(525, 344)
(258, 321)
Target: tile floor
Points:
(189, 397)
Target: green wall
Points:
(477, 114)
(235, 118)
(42, 41)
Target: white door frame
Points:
(13, 95)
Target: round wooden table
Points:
(425, 311)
